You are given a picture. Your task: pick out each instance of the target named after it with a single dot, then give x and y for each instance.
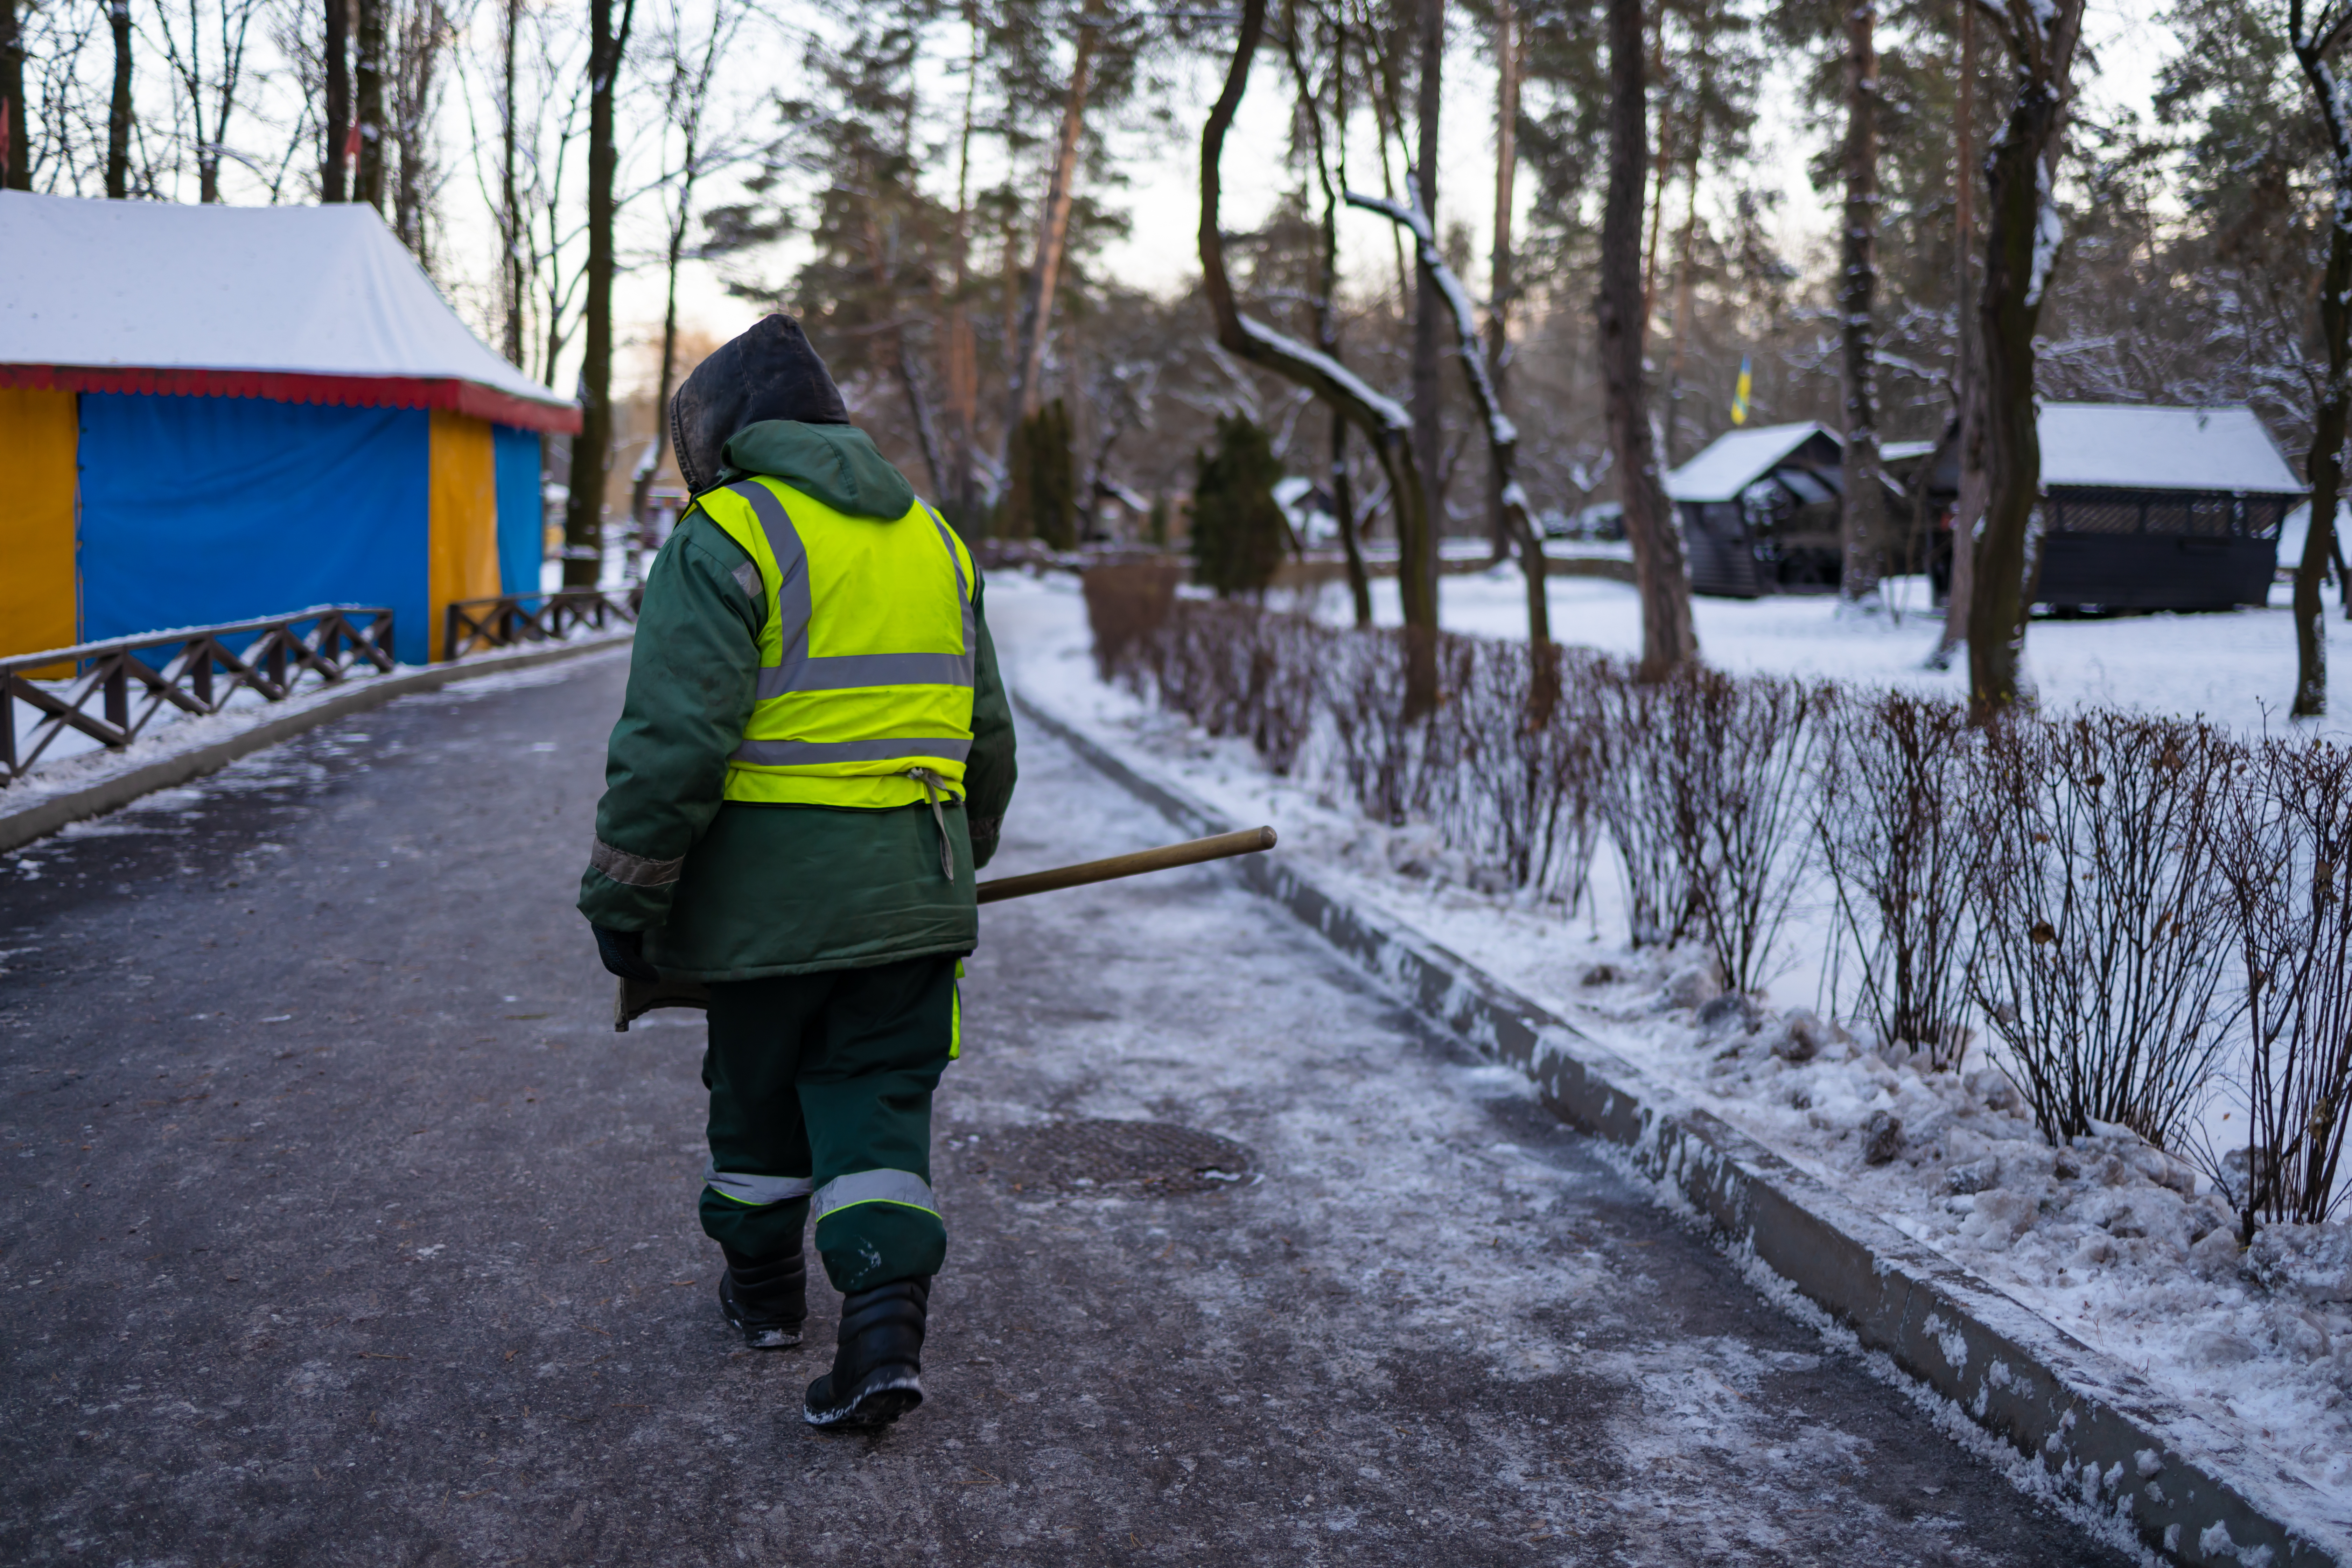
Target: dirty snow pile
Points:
(2113, 1241)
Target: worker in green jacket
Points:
(814, 754)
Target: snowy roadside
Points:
(2108, 1240)
(179, 746)
(2235, 668)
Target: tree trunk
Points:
(1668, 641)
(583, 514)
(2325, 466)
(1027, 365)
(2020, 250)
(1685, 286)
(16, 141)
(961, 353)
(1968, 391)
(510, 195)
(1327, 298)
(1418, 568)
(367, 81)
(1386, 426)
(641, 487)
(1864, 512)
(119, 111)
(1343, 503)
(1501, 281)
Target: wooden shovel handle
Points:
(1191, 852)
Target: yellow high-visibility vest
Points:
(866, 657)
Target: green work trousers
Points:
(821, 1100)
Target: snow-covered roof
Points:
(1737, 459)
(307, 304)
(2138, 447)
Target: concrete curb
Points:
(2102, 1433)
(50, 812)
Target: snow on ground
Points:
(2110, 1240)
(2235, 668)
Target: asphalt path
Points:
(338, 1226)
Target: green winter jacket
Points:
(773, 890)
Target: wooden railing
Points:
(107, 692)
(474, 625)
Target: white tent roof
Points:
(1736, 460)
(302, 291)
(2137, 446)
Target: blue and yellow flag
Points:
(1740, 393)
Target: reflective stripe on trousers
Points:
(796, 672)
(873, 1187)
(755, 1192)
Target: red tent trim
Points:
(300, 387)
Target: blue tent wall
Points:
(521, 519)
(201, 510)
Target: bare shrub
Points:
(1236, 671)
(1900, 859)
(1374, 744)
(2286, 860)
(1125, 607)
(1745, 834)
(1646, 756)
(2101, 915)
(1519, 793)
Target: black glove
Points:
(983, 830)
(624, 953)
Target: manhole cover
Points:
(1089, 1156)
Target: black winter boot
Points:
(876, 1373)
(767, 1300)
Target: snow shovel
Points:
(634, 998)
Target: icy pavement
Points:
(340, 1228)
(2116, 1243)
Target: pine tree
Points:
(1238, 531)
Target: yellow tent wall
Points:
(40, 439)
(464, 515)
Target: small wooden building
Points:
(1760, 510)
(2159, 509)
(2144, 508)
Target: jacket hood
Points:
(836, 464)
(769, 372)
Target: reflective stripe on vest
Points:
(866, 660)
(902, 1187)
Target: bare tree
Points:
(1027, 366)
(1502, 436)
(1967, 375)
(686, 102)
(512, 289)
(1510, 59)
(334, 171)
(367, 108)
(1668, 638)
(425, 31)
(209, 98)
(583, 532)
(2021, 241)
(2317, 36)
(15, 140)
(1864, 512)
(119, 108)
(1326, 289)
(1384, 424)
(1417, 568)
